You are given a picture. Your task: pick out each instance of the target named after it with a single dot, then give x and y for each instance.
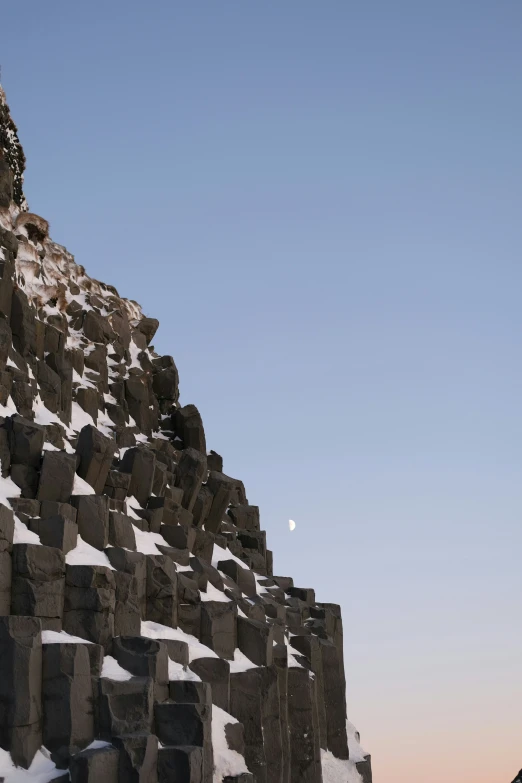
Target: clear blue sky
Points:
(321, 202)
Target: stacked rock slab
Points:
(137, 593)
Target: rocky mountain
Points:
(143, 635)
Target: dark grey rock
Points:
(121, 531)
(245, 777)
(50, 385)
(190, 692)
(23, 323)
(189, 426)
(95, 452)
(138, 400)
(88, 399)
(235, 737)
(138, 758)
(133, 563)
(189, 618)
(183, 724)
(243, 577)
(93, 519)
(222, 488)
(67, 698)
(99, 765)
(5, 583)
(364, 768)
(162, 602)
(144, 658)
(202, 506)
(127, 609)
(255, 640)
(25, 508)
(49, 508)
(57, 532)
(245, 517)
(215, 672)
(165, 384)
(6, 528)
(20, 687)
(218, 627)
(140, 463)
(179, 536)
(305, 757)
(190, 474)
(57, 476)
(126, 707)
(181, 765)
(26, 478)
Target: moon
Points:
(291, 524)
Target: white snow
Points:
(8, 489)
(112, 670)
(146, 542)
(225, 554)
(49, 447)
(179, 672)
(85, 554)
(241, 663)
(81, 487)
(9, 409)
(131, 501)
(354, 746)
(134, 351)
(226, 762)
(22, 534)
(41, 770)
(158, 631)
(80, 418)
(61, 637)
(337, 771)
(213, 594)
(43, 415)
(293, 663)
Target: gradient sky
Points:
(321, 202)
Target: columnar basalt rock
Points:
(138, 609)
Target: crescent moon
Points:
(291, 524)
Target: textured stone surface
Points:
(20, 687)
(70, 344)
(95, 452)
(68, 725)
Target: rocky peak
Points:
(11, 153)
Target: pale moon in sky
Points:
(291, 524)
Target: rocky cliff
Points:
(143, 635)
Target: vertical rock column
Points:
(20, 687)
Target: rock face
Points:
(143, 634)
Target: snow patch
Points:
(226, 762)
(85, 554)
(42, 769)
(112, 670)
(178, 672)
(158, 631)
(81, 487)
(61, 637)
